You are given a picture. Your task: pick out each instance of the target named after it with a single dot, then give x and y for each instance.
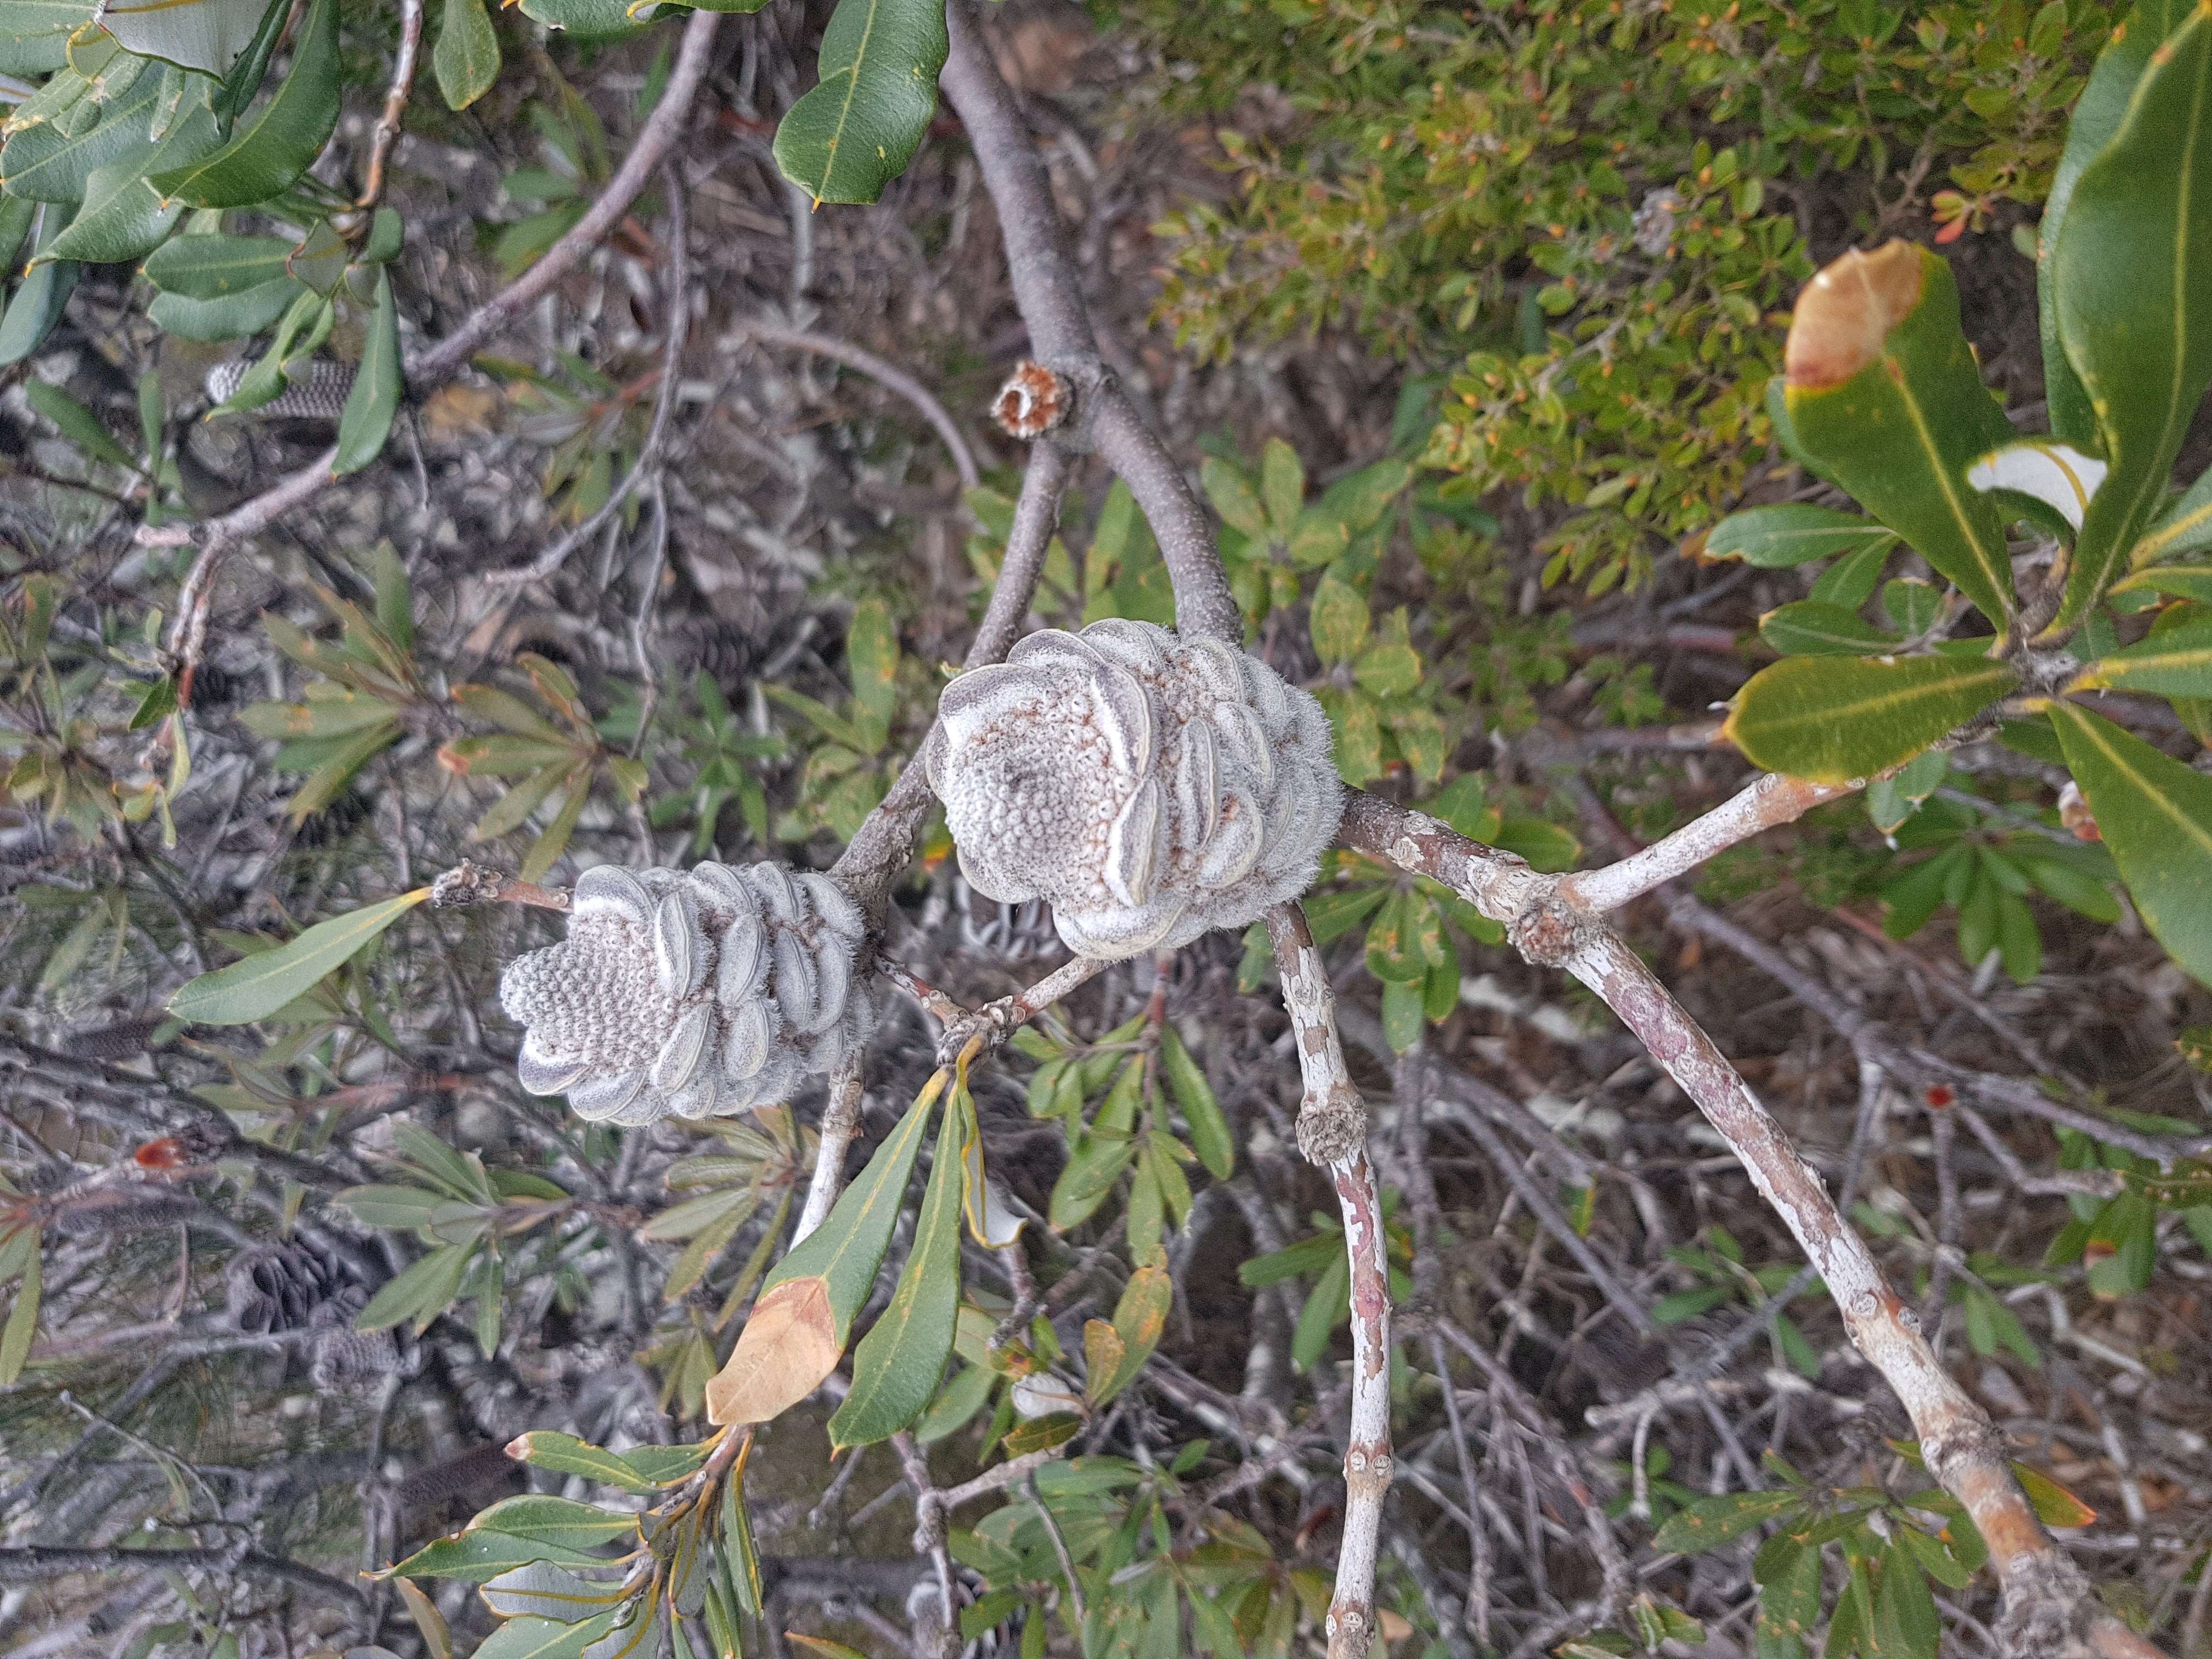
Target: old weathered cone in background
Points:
(1151, 789)
(702, 993)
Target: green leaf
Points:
(1807, 628)
(1892, 800)
(1234, 498)
(2131, 272)
(2175, 661)
(1209, 1137)
(796, 1331)
(22, 1326)
(1905, 1621)
(370, 406)
(212, 266)
(476, 1555)
(1832, 720)
(207, 35)
(899, 1364)
(1141, 1319)
(544, 1590)
(403, 1208)
(2156, 817)
(559, 1521)
(122, 216)
(420, 1291)
(284, 139)
(2054, 1505)
(302, 328)
(466, 58)
(1327, 1306)
(1883, 391)
(1777, 538)
(1912, 606)
(263, 983)
(530, 1637)
(243, 83)
(1550, 849)
(77, 424)
(54, 160)
(36, 34)
(1404, 1013)
(1339, 619)
(1707, 1521)
(2183, 527)
(872, 658)
(233, 317)
(566, 1455)
(857, 130)
(1849, 582)
(1283, 486)
(2097, 116)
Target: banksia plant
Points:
(701, 994)
(1150, 789)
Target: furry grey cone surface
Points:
(699, 992)
(1151, 789)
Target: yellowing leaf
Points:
(787, 1350)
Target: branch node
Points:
(1035, 399)
(1549, 930)
(1331, 1126)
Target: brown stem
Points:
(395, 103)
(213, 537)
(1061, 331)
(879, 369)
(879, 850)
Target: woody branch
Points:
(2049, 1607)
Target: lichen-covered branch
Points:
(2049, 1607)
(1768, 800)
(1332, 1134)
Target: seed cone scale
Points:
(699, 993)
(1151, 789)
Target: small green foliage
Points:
(1720, 1279)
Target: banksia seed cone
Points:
(701, 994)
(1151, 789)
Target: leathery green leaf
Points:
(2096, 118)
(1201, 1111)
(993, 1225)
(797, 1330)
(23, 1313)
(372, 403)
(1777, 538)
(566, 1455)
(2187, 582)
(1882, 391)
(898, 1364)
(206, 35)
(2155, 815)
(2175, 661)
(2132, 274)
(857, 130)
(284, 139)
(258, 987)
(466, 56)
(1831, 719)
